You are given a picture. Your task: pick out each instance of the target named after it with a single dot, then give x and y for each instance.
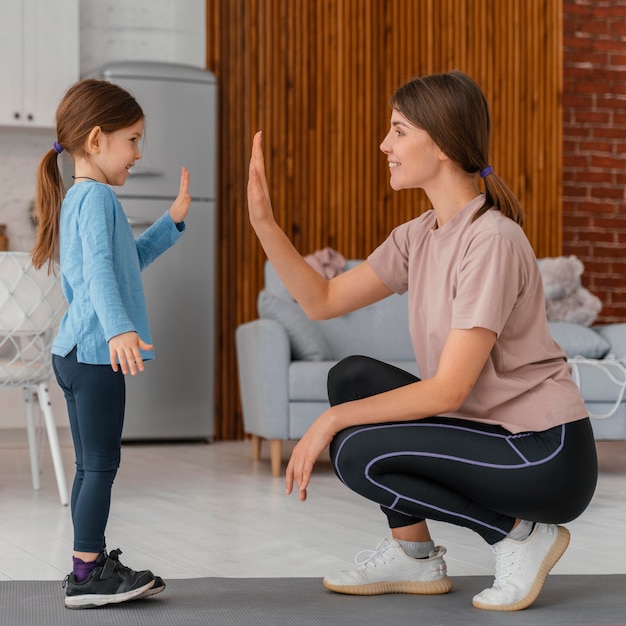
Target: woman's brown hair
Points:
(87, 104)
(453, 110)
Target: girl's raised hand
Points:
(259, 203)
(180, 206)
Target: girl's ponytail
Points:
(48, 198)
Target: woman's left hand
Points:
(306, 453)
(180, 206)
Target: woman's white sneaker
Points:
(522, 568)
(389, 570)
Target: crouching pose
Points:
(494, 437)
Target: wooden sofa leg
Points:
(276, 453)
(256, 447)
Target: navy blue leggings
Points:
(95, 397)
(458, 471)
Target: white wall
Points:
(110, 30)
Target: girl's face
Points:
(414, 158)
(118, 152)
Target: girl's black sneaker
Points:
(159, 585)
(109, 583)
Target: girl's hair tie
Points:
(488, 170)
(58, 148)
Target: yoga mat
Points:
(565, 600)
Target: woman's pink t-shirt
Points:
(482, 274)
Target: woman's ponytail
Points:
(498, 196)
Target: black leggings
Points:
(459, 471)
(95, 397)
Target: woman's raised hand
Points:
(259, 203)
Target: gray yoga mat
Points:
(565, 600)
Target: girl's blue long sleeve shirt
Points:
(101, 264)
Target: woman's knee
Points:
(357, 377)
(344, 378)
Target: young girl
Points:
(104, 334)
(495, 436)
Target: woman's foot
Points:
(110, 582)
(389, 570)
(522, 568)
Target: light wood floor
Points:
(198, 510)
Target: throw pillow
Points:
(577, 340)
(307, 341)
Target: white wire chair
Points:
(31, 307)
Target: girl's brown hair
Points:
(87, 104)
(453, 110)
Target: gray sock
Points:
(521, 531)
(417, 549)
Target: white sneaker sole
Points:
(95, 600)
(556, 552)
(431, 587)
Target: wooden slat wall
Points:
(315, 76)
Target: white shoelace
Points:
(370, 557)
(504, 565)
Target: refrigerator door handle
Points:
(146, 172)
(139, 222)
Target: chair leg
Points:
(32, 437)
(53, 440)
(256, 447)
(276, 453)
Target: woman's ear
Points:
(94, 140)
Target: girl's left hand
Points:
(180, 207)
(306, 453)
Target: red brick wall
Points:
(594, 147)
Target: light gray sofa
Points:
(284, 358)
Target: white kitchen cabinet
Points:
(39, 59)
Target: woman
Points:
(495, 436)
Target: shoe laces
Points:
(113, 563)
(366, 558)
(504, 564)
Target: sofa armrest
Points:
(615, 334)
(263, 359)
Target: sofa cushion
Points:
(615, 334)
(307, 381)
(577, 340)
(380, 331)
(307, 341)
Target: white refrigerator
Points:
(173, 399)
